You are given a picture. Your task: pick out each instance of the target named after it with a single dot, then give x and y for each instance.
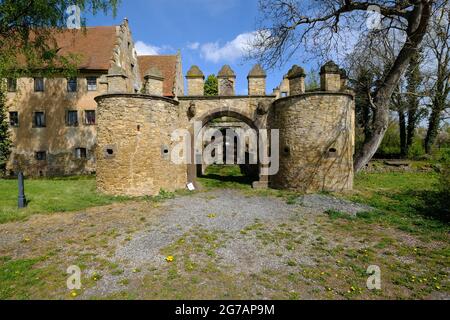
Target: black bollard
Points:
(22, 198)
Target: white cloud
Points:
(230, 51)
(193, 45)
(147, 49)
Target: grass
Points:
(227, 177)
(51, 195)
(403, 200)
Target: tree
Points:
(438, 51)
(5, 141)
(211, 86)
(27, 29)
(312, 81)
(414, 79)
(286, 25)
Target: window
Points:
(14, 119)
(91, 83)
(41, 156)
(12, 85)
(89, 117)
(38, 84)
(284, 94)
(39, 120)
(72, 85)
(72, 118)
(80, 153)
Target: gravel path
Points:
(232, 212)
(229, 213)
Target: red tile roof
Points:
(167, 65)
(94, 46)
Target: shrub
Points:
(444, 192)
(416, 151)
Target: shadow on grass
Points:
(431, 204)
(244, 180)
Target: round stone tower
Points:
(316, 134)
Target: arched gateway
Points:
(137, 133)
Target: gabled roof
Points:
(167, 65)
(94, 46)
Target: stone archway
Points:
(252, 121)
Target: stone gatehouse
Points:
(134, 129)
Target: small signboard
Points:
(191, 186)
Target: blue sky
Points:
(209, 33)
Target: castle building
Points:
(53, 121)
(118, 117)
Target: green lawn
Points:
(408, 201)
(51, 195)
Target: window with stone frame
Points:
(91, 83)
(81, 153)
(39, 84)
(89, 117)
(41, 155)
(72, 85)
(72, 118)
(284, 94)
(12, 85)
(14, 119)
(39, 120)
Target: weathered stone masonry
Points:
(316, 131)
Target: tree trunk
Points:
(414, 79)
(417, 25)
(403, 134)
(433, 128)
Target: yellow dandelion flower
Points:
(170, 259)
(211, 216)
(74, 294)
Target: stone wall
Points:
(134, 145)
(57, 139)
(316, 142)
